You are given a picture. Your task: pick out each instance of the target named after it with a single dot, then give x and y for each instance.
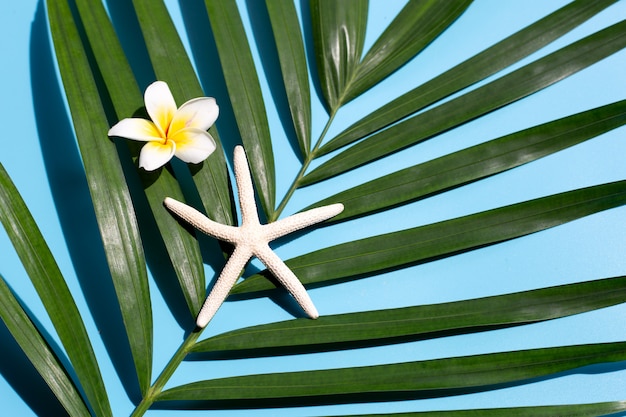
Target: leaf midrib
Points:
(447, 236)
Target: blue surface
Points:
(39, 153)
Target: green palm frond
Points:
(60, 306)
(321, 47)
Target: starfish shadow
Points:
(284, 300)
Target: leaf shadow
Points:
(127, 28)
(309, 49)
(266, 46)
(72, 201)
(204, 54)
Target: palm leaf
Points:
(574, 410)
(416, 26)
(126, 99)
(291, 54)
(53, 292)
(422, 379)
(112, 203)
(40, 353)
(388, 326)
(130, 280)
(359, 258)
(338, 30)
(338, 34)
(480, 66)
(507, 89)
(474, 163)
(245, 96)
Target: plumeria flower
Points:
(172, 131)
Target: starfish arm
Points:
(287, 279)
(223, 284)
(245, 188)
(200, 221)
(301, 220)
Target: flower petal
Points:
(193, 145)
(198, 113)
(160, 105)
(136, 129)
(154, 154)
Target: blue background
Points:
(38, 150)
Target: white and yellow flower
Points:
(173, 131)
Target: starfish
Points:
(251, 239)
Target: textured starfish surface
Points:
(251, 239)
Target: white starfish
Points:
(251, 239)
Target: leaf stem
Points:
(166, 374)
(305, 165)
